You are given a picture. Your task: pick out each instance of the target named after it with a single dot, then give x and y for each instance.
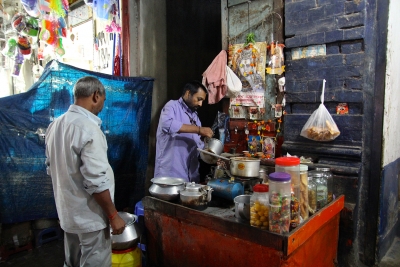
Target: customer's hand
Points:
(117, 225)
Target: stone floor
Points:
(51, 254)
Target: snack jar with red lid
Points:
(291, 165)
(259, 206)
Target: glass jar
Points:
(304, 191)
(279, 202)
(329, 180)
(291, 165)
(312, 194)
(259, 206)
(322, 192)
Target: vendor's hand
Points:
(206, 131)
(117, 225)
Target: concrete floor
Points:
(51, 254)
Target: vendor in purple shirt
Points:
(178, 135)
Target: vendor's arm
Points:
(202, 131)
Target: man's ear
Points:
(95, 96)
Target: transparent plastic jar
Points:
(329, 181)
(312, 194)
(322, 191)
(259, 206)
(291, 165)
(279, 202)
(304, 191)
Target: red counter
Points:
(179, 236)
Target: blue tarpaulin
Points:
(26, 191)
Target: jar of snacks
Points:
(312, 195)
(329, 181)
(322, 192)
(291, 165)
(304, 191)
(259, 206)
(279, 202)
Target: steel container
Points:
(166, 188)
(245, 167)
(213, 146)
(130, 236)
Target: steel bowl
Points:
(131, 235)
(166, 188)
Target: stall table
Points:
(180, 236)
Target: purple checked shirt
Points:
(176, 153)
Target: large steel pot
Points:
(131, 235)
(166, 188)
(240, 166)
(213, 146)
(245, 167)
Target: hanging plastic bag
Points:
(320, 126)
(233, 83)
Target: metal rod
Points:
(212, 154)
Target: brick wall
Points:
(338, 24)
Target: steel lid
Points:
(168, 181)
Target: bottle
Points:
(291, 165)
(329, 180)
(312, 195)
(322, 192)
(304, 191)
(221, 135)
(279, 202)
(259, 206)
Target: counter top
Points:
(222, 219)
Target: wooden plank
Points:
(179, 236)
(300, 235)
(173, 242)
(225, 225)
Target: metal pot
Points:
(131, 235)
(245, 167)
(195, 195)
(242, 207)
(213, 146)
(240, 166)
(166, 188)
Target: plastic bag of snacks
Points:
(320, 126)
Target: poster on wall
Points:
(268, 146)
(254, 144)
(248, 63)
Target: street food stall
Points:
(181, 236)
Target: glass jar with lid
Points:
(259, 206)
(322, 191)
(304, 191)
(291, 165)
(279, 202)
(312, 194)
(329, 181)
